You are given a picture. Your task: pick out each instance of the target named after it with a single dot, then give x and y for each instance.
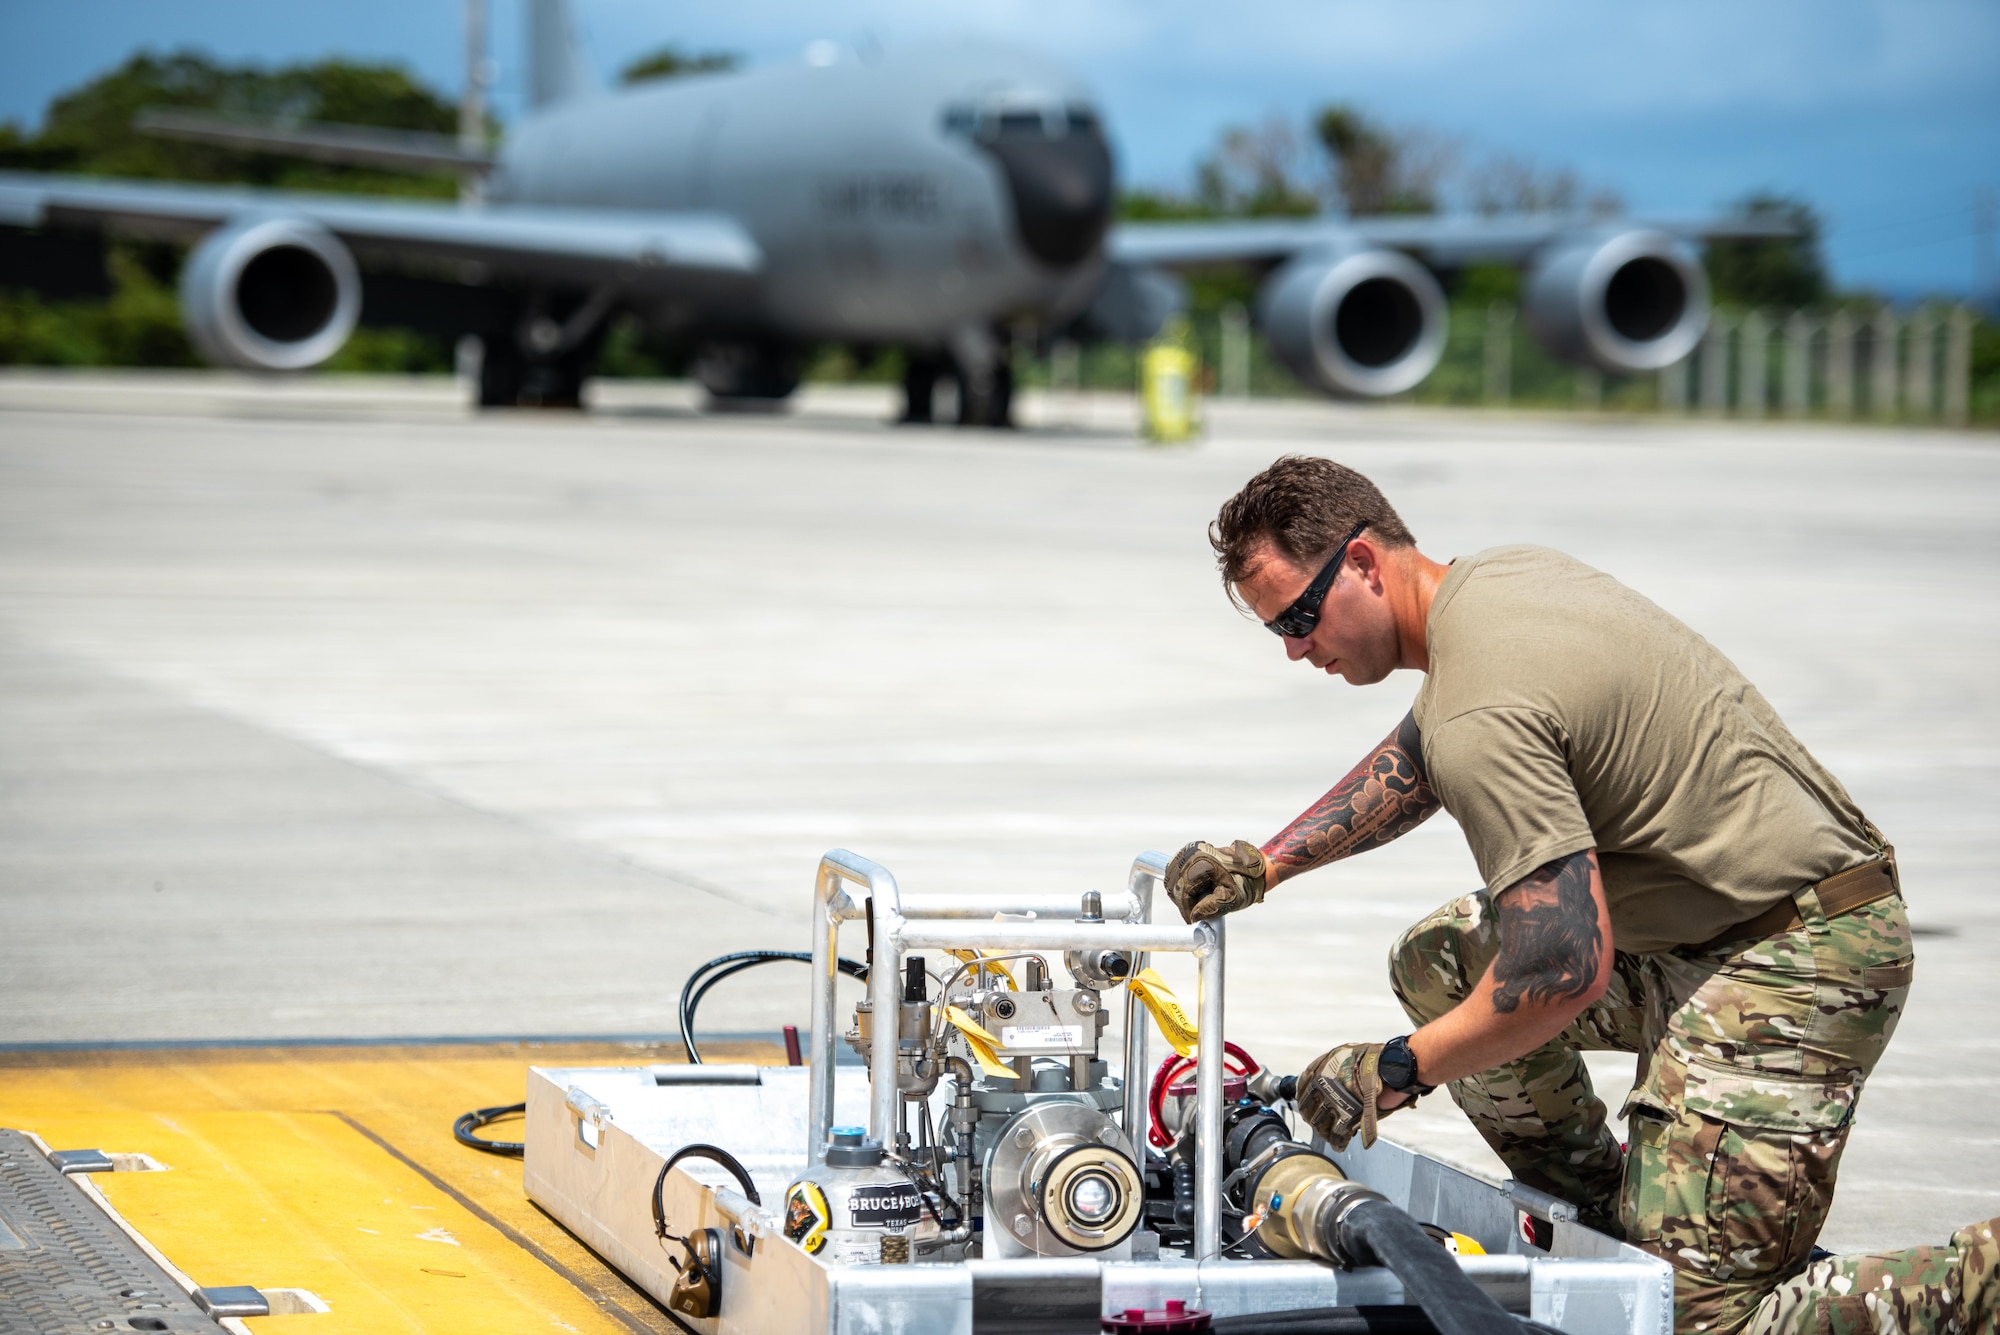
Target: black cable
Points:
(1349, 1321)
(729, 965)
(708, 984)
(468, 1123)
(691, 996)
(697, 1150)
(1329, 1321)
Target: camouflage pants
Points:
(1751, 1057)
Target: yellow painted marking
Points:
(278, 1180)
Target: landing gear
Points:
(544, 360)
(508, 378)
(920, 378)
(993, 404)
(982, 377)
(747, 376)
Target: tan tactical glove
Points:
(1338, 1092)
(1206, 882)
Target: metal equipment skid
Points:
(1028, 1221)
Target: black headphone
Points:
(698, 1291)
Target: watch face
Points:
(1398, 1066)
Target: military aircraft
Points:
(936, 199)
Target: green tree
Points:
(1771, 271)
(1258, 172)
(670, 62)
(89, 131)
(1153, 205)
(1376, 170)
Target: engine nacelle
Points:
(1624, 302)
(1363, 324)
(270, 294)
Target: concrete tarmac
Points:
(329, 709)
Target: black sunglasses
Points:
(1297, 621)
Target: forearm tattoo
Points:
(1384, 797)
(1550, 944)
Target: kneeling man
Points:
(1667, 871)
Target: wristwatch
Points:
(1398, 1068)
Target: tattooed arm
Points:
(1554, 960)
(1384, 797)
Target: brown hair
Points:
(1303, 507)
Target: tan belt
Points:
(1840, 893)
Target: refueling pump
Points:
(989, 1124)
(1023, 1156)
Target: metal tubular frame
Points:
(1149, 870)
(927, 922)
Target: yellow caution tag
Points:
(974, 956)
(983, 1044)
(1153, 992)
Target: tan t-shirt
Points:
(1562, 710)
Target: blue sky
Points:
(1884, 113)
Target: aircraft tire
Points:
(920, 377)
(500, 369)
(508, 379)
(747, 372)
(995, 408)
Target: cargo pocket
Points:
(1664, 1206)
(1777, 1145)
(1643, 1198)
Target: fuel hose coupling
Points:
(1308, 1206)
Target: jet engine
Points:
(1362, 325)
(1622, 302)
(270, 294)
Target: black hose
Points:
(727, 966)
(1329, 1321)
(1430, 1274)
(468, 1123)
(1349, 1321)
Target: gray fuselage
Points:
(895, 197)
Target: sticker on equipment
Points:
(806, 1215)
(885, 1205)
(1041, 1036)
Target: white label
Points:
(1041, 1036)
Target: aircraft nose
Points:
(1061, 186)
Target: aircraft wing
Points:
(581, 244)
(1440, 241)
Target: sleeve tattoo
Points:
(1384, 797)
(1550, 944)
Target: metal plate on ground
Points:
(65, 1266)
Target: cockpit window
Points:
(990, 123)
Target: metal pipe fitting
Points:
(1306, 1201)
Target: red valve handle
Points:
(1234, 1060)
